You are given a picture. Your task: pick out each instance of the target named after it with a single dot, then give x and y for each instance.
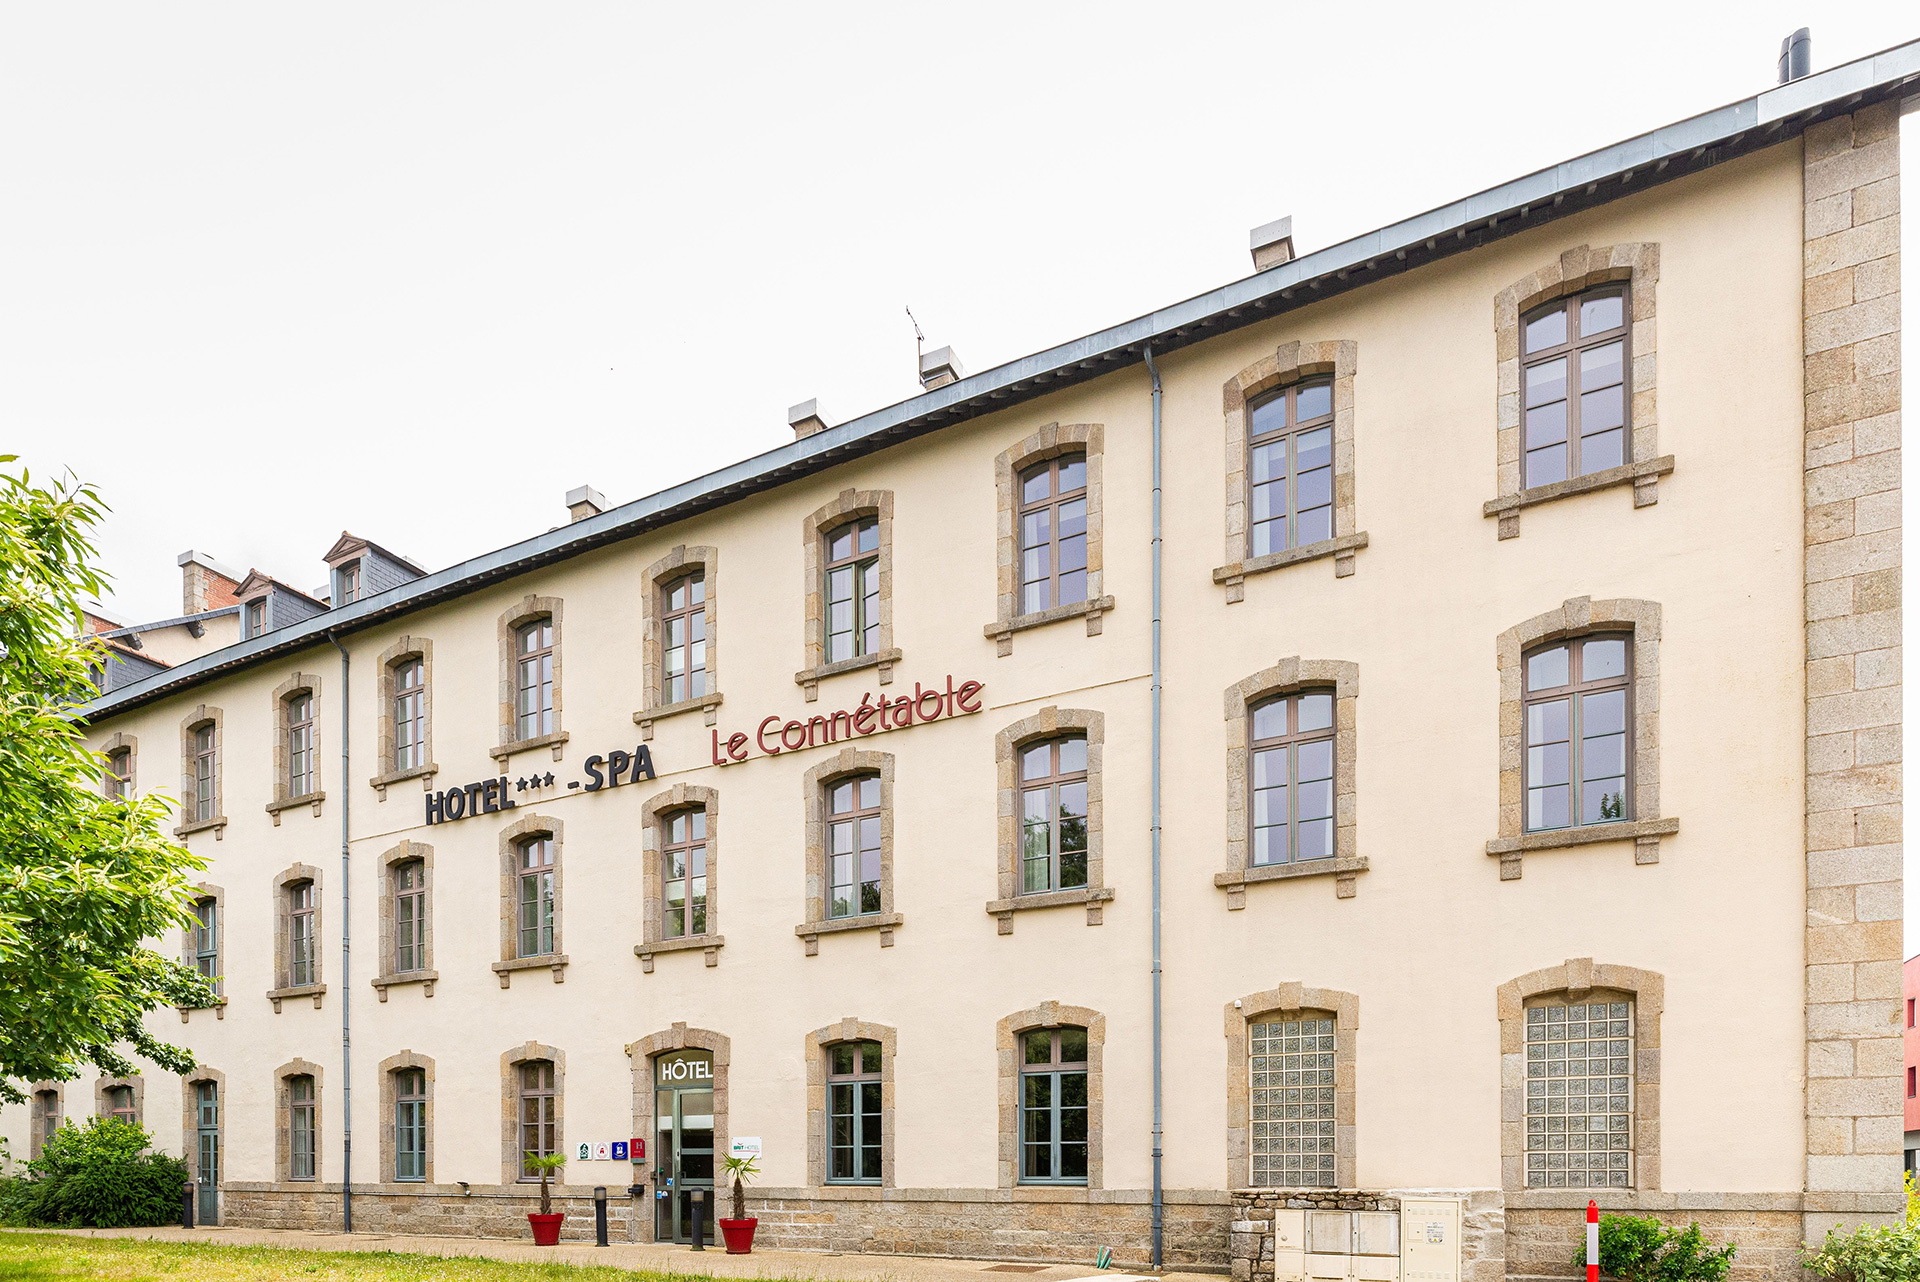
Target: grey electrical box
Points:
(1430, 1239)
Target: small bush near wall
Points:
(1642, 1249)
(1889, 1254)
(96, 1176)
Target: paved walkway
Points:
(826, 1266)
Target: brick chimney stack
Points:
(205, 584)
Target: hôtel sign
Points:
(491, 796)
(871, 716)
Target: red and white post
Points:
(1593, 1241)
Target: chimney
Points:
(940, 367)
(1272, 244)
(205, 584)
(1796, 55)
(805, 419)
(585, 502)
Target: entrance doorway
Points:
(683, 1144)
(206, 1099)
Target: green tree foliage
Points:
(1642, 1249)
(85, 880)
(97, 1176)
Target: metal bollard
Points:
(699, 1218)
(600, 1215)
(186, 1205)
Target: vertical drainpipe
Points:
(346, 947)
(1159, 1204)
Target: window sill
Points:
(1001, 633)
(1342, 549)
(1343, 871)
(386, 781)
(885, 923)
(556, 741)
(1643, 477)
(809, 679)
(556, 962)
(1092, 896)
(219, 1009)
(1645, 834)
(313, 799)
(278, 995)
(218, 823)
(712, 944)
(645, 718)
(426, 977)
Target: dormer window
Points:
(256, 618)
(349, 583)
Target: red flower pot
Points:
(739, 1234)
(546, 1229)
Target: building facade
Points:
(1522, 661)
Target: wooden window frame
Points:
(524, 656)
(1573, 691)
(1051, 783)
(687, 847)
(285, 887)
(815, 786)
(1010, 466)
(1570, 349)
(390, 1069)
(409, 714)
(513, 839)
(406, 654)
(858, 1079)
(253, 619)
(414, 896)
(348, 576)
(657, 583)
(1290, 430)
(420, 855)
(205, 773)
(310, 1107)
(530, 610)
(849, 507)
(402, 1100)
(1057, 1069)
(685, 616)
(1293, 739)
(853, 819)
(118, 780)
(656, 815)
(131, 1113)
(865, 566)
(300, 743)
(528, 1090)
(1051, 503)
(47, 1116)
(301, 921)
(545, 878)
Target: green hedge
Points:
(100, 1175)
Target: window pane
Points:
(1270, 720)
(1602, 451)
(1073, 473)
(1037, 485)
(1547, 331)
(870, 793)
(1316, 711)
(1036, 761)
(1598, 315)
(1547, 669)
(1073, 756)
(1073, 1046)
(1270, 416)
(1039, 1046)
(1602, 659)
(1601, 367)
(1313, 401)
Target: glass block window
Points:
(1291, 1065)
(1580, 1096)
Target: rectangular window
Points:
(203, 774)
(1911, 1083)
(1053, 800)
(853, 590)
(1910, 1003)
(539, 1117)
(534, 646)
(206, 938)
(853, 1113)
(300, 934)
(1580, 1096)
(1290, 468)
(1053, 1106)
(410, 1124)
(536, 897)
(120, 1105)
(1577, 719)
(1293, 778)
(1053, 534)
(256, 616)
(1290, 1064)
(300, 745)
(410, 916)
(349, 583)
(683, 875)
(48, 1106)
(119, 776)
(683, 638)
(300, 1122)
(409, 714)
(1575, 364)
(853, 846)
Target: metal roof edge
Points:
(169, 623)
(1697, 139)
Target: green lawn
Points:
(48, 1257)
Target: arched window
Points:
(853, 589)
(409, 916)
(683, 639)
(300, 936)
(536, 860)
(1053, 815)
(1574, 361)
(533, 650)
(299, 713)
(410, 1124)
(853, 846)
(121, 1106)
(300, 1127)
(539, 1114)
(1290, 468)
(1053, 1106)
(683, 873)
(853, 1113)
(1053, 533)
(203, 773)
(1578, 732)
(409, 713)
(1292, 741)
(1290, 1066)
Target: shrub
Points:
(1642, 1249)
(96, 1176)
(1889, 1253)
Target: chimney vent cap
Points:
(1271, 243)
(191, 557)
(584, 501)
(940, 367)
(1796, 56)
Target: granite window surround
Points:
(850, 505)
(1291, 1000)
(816, 1049)
(390, 1068)
(40, 1095)
(204, 893)
(1291, 363)
(390, 976)
(528, 609)
(189, 795)
(1050, 442)
(1290, 676)
(283, 1120)
(640, 1057)
(511, 838)
(394, 657)
(283, 986)
(1049, 723)
(1577, 270)
(815, 784)
(1576, 980)
(511, 1155)
(654, 814)
(121, 742)
(1007, 1035)
(283, 694)
(1578, 617)
(682, 562)
(103, 1097)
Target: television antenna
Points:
(919, 341)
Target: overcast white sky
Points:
(415, 270)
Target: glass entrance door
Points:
(684, 1142)
(206, 1097)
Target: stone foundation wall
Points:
(429, 1210)
(1483, 1225)
(1541, 1243)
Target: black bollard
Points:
(186, 1205)
(699, 1216)
(600, 1215)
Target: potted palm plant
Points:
(738, 1231)
(546, 1225)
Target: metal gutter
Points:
(1158, 1213)
(1596, 178)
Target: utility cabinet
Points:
(1430, 1239)
(1336, 1246)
